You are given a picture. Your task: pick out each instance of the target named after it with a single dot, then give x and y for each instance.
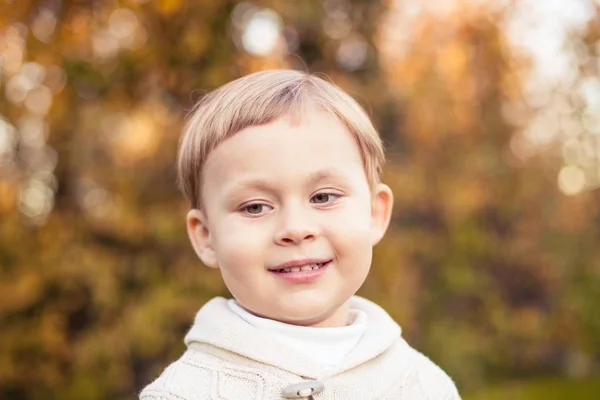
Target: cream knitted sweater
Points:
(229, 359)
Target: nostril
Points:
(295, 236)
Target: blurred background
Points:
(490, 111)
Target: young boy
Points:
(282, 169)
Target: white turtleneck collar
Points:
(218, 326)
(326, 346)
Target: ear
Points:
(199, 235)
(382, 204)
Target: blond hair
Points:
(258, 99)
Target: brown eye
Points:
(321, 198)
(254, 208)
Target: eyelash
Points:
(244, 209)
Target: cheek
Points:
(350, 231)
(239, 244)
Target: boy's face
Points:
(278, 194)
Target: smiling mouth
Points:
(307, 267)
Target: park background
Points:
(490, 112)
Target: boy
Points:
(282, 169)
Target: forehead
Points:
(282, 151)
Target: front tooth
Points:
(306, 267)
(295, 269)
(286, 269)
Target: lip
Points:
(301, 276)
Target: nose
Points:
(295, 228)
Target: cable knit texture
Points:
(229, 359)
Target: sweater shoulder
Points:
(199, 375)
(435, 383)
(181, 380)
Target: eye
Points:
(256, 208)
(322, 198)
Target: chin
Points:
(309, 313)
(303, 317)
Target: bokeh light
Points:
(571, 179)
(36, 200)
(262, 33)
(123, 23)
(33, 131)
(43, 25)
(352, 52)
(8, 142)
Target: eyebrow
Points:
(325, 174)
(267, 186)
(233, 193)
(252, 183)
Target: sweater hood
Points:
(216, 325)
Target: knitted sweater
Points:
(229, 359)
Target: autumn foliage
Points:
(489, 267)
